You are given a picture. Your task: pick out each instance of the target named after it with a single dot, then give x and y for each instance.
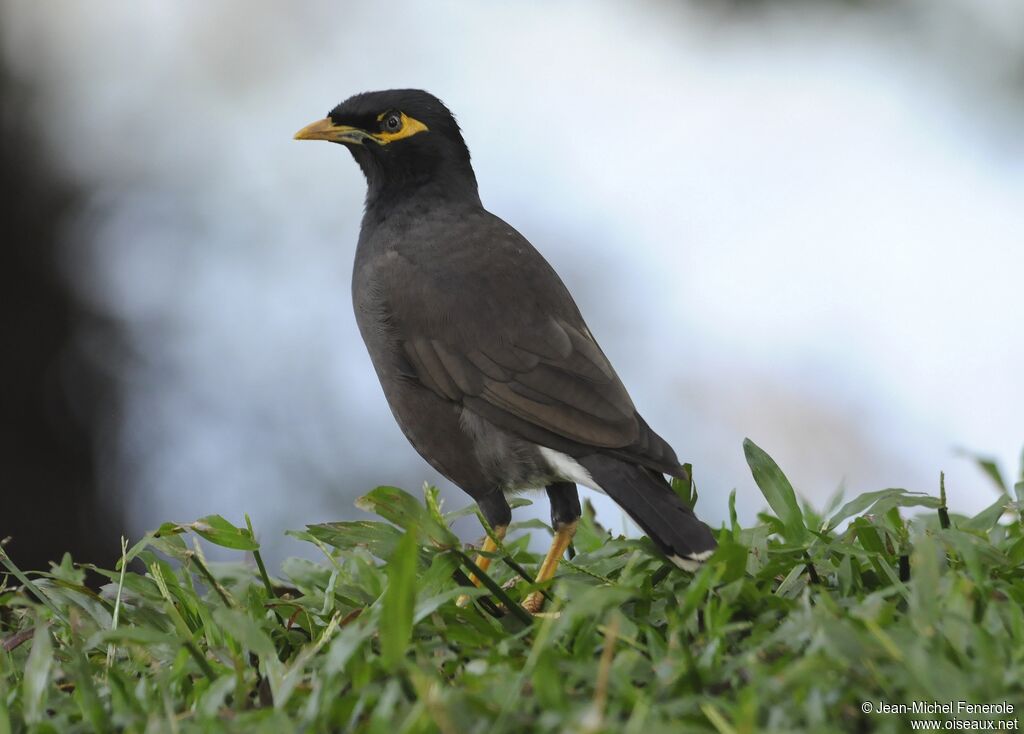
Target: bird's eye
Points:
(393, 122)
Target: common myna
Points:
(485, 360)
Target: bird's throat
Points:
(393, 182)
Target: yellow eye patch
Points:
(410, 126)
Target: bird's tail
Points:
(655, 507)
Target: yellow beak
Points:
(326, 129)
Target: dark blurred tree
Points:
(49, 394)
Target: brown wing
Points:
(484, 321)
(554, 377)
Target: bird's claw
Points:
(534, 603)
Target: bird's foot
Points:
(534, 603)
(563, 537)
(483, 562)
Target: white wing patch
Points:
(568, 469)
(691, 562)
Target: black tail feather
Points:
(655, 507)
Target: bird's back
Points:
(456, 260)
(464, 282)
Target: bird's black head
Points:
(405, 140)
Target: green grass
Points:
(791, 626)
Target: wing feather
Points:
(551, 376)
(525, 360)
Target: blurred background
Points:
(817, 207)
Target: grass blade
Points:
(36, 682)
(777, 490)
(399, 602)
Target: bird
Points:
(483, 355)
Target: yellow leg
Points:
(561, 541)
(484, 562)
